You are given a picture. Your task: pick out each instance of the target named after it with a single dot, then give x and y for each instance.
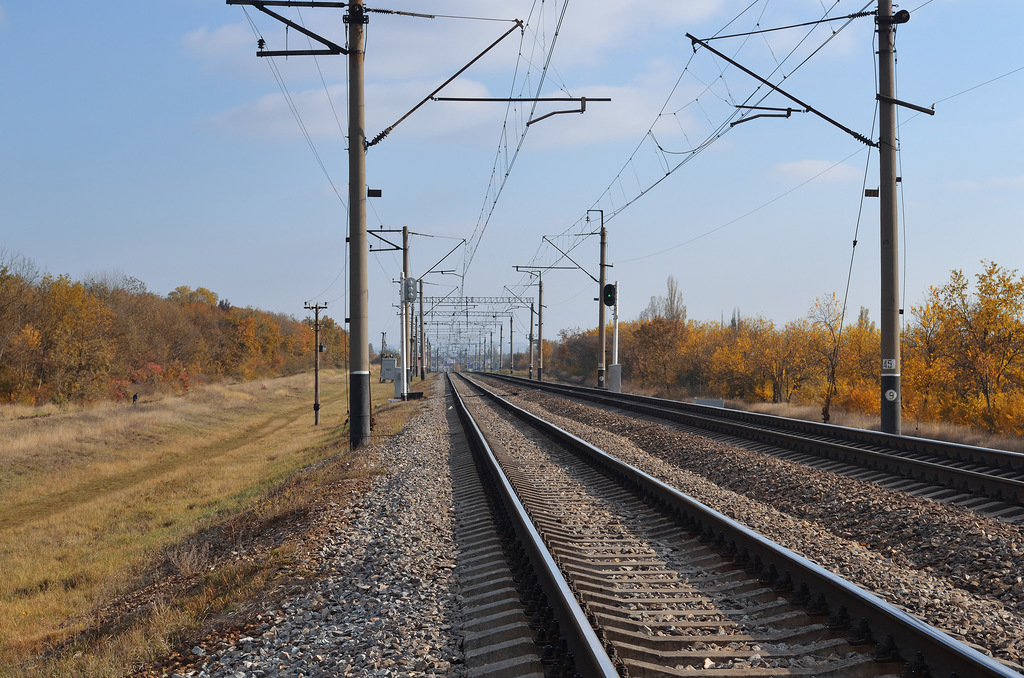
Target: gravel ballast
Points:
(382, 598)
(382, 601)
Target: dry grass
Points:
(99, 503)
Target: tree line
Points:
(109, 337)
(962, 354)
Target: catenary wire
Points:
(715, 134)
(484, 220)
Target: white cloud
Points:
(966, 185)
(600, 27)
(226, 41)
(269, 117)
(825, 170)
(231, 49)
(973, 185)
(1012, 182)
(632, 109)
(408, 57)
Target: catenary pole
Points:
(511, 354)
(423, 338)
(890, 306)
(540, 327)
(532, 359)
(404, 382)
(408, 357)
(602, 359)
(359, 322)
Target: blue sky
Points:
(147, 139)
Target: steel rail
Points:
(834, 442)
(588, 651)
(909, 634)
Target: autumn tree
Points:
(63, 341)
(857, 370)
(747, 362)
(651, 347)
(18, 276)
(982, 336)
(669, 307)
(652, 350)
(787, 361)
(186, 295)
(575, 354)
(73, 351)
(826, 316)
(929, 391)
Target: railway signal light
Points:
(608, 294)
(409, 289)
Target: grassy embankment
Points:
(99, 504)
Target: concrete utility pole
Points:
(423, 338)
(600, 308)
(540, 327)
(410, 347)
(511, 354)
(539, 272)
(316, 360)
(359, 321)
(402, 385)
(891, 398)
(532, 360)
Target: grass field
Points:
(96, 502)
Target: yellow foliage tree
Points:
(982, 340)
(74, 353)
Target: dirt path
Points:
(251, 433)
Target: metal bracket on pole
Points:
(377, 139)
(782, 113)
(261, 5)
(383, 239)
(513, 100)
(914, 107)
(566, 255)
(859, 137)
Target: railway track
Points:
(660, 585)
(987, 481)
